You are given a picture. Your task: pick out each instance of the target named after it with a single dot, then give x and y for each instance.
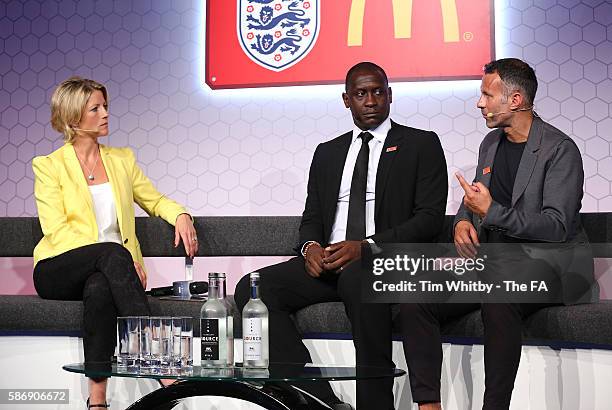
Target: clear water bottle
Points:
(230, 320)
(213, 326)
(256, 351)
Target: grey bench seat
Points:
(31, 315)
(578, 326)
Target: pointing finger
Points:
(466, 187)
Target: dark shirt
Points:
(503, 173)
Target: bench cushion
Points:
(577, 326)
(587, 326)
(29, 314)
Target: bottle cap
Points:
(215, 275)
(254, 275)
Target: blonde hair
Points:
(68, 104)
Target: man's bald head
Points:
(364, 67)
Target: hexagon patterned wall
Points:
(247, 152)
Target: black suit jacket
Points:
(411, 188)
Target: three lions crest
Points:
(277, 34)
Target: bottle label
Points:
(252, 339)
(210, 339)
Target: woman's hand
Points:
(184, 230)
(141, 274)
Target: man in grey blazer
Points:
(527, 189)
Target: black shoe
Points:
(97, 406)
(342, 406)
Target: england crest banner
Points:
(276, 36)
(262, 43)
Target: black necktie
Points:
(356, 223)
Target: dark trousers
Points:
(502, 343)
(104, 277)
(286, 288)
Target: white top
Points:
(106, 213)
(376, 145)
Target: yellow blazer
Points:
(65, 207)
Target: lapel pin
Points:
(391, 149)
(486, 170)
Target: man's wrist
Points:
(307, 246)
(486, 210)
(373, 246)
(458, 222)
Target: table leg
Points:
(269, 395)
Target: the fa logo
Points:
(538, 286)
(276, 34)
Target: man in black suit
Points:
(381, 182)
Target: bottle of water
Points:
(255, 329)
(230, 320)
(213, 326)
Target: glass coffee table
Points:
(269, 388)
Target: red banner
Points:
(263, 43)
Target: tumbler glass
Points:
(177, 325)
(146, 341)
(165, 344)
(187, 343)
(155, 354)
(128, 331)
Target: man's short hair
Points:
(364, 66)
(516, 75)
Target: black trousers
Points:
(502, 343)
(104, 277)
(286, 287)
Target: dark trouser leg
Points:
(503, 324)
(371, 328)
(286, 288)
(423, 345)
(99, 317)
(104, 277)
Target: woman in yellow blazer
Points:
(85, 194)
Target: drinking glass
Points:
(155, 354)
(128, 331)
(177, 325)
(165, 344)
(187, 343)
(146, 341)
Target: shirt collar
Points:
(379, 133)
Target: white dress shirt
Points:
(106, 213)
(376, 144)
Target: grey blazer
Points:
(546, 199)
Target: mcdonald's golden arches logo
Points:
(402, 20)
